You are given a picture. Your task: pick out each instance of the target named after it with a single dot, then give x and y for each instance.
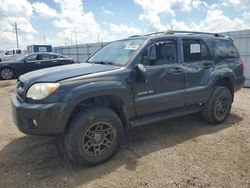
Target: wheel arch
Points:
(111, 101)
(226, 81)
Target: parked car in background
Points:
(12, 54)
(31, 62)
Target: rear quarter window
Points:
(225, 49)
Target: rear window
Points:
(225, 49)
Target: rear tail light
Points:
(241, 66)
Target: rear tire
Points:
(93, 136)
(6, 73)
(218, 107)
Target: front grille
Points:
(20, 89)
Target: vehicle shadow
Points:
(31, 161)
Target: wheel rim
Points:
(221, 107)
(98, 139)
(6, 74)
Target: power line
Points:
(16, 29)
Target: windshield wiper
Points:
(102, 62)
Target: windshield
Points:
(22, 58)
(117, 53)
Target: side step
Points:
(160, 116)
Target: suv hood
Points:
(55, 74)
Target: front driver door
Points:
(163, 87)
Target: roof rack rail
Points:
(155, 33)
(194, 32)
(134, 36)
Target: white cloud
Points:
(236, 3)
(246, 15)
(105, 11)
(12, 11)
(72, 19)
(215, 21)
(123, 30)
(43, 10)
(153, 8)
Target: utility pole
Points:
(171, 27)
(44, 39)
(16, 29)
(77, 48)
(71, 41)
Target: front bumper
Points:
(51, 119)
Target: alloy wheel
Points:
(98, 139)
(7, 73)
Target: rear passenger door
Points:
(46, 61)
(57, 60)
(197, 65)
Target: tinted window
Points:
(9, 52)
(160, 53)
(194, 50)
(46, 57)
(225, 49)
(54, 56)
(18, 51)
(32, 58)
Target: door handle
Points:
(176, 70)
(38, 62)
(54, 61)
(207, 65)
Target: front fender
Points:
(102, 88)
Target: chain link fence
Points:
(80, 53)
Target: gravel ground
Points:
(181, 152)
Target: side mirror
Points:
(142, 71)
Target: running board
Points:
(160, 116)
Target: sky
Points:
(63, 22)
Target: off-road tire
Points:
(217, 108)
(81, 128)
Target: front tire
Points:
(93, 136)
(6, 73)
(218, 107)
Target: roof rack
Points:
(181, 32)
(155, 33)
(195, 32)
(134, 36)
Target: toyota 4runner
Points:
(129, 83)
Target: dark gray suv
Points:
(129, 83)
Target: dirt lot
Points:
(181, 152)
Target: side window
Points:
(32, 58)
(18, 51)
(46, 57)
(55, 56)
(10, 52)
(160, 53)
(194, 50)
(225, 49)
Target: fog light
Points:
(34, 123)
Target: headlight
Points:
(41, 90)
